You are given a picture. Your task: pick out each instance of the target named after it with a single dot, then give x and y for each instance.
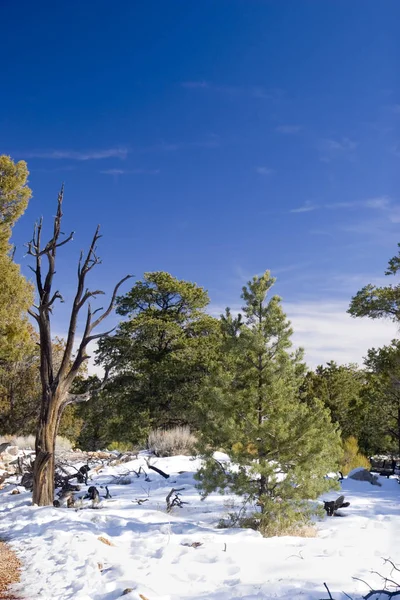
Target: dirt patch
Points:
(9, 571)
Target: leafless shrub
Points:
(170, 442)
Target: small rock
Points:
(12, 450)
(4, 446)
(15, 491)
(127, 591)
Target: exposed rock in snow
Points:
(361, 474)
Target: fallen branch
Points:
(327, 589)
(387, 593)
(165, 475)
(176, 501)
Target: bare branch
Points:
(327, 589)
(33, 314)
(112, 303)
(99, 335)
(88, 294)
(55, 296)
(77, 398)
(376, 592)
(90, 261)
(394, 567)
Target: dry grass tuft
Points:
(171, 442)
(305, 531)
(27, 442)
(10, 568)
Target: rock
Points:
(127, 591)
(12, 450)
(4, 446)
(361, 474)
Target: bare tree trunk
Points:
(57, 382)
(43, 468)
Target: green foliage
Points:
(281, 448)
(160, 356)
(339, 387)
(20, 389)
(352, 457)
(71, 424)
(14, 196)
(16, 293)
(120, 446)
(18, 353)
(381, 423)
(379, 302)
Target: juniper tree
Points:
(381, 432)
(160, 356)
(281, 448)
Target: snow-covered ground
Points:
(151, 550)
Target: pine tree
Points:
(281, 448)
(161, 354)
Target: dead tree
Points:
(56, 383)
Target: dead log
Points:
(165, 475)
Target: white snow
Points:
(63, 559)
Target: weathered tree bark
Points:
(56, 384)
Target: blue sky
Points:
(214, 140)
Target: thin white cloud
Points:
(307, 207)
(264, 170)
(288, 129)
(327, 332)
(379, 203)
(321, 232)
(211, 140)
(117, 172)
(55, 170)
(396, 149)
(338, 205)
(119, 152)
(254, 91)
(331, 149)
(383, 227)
